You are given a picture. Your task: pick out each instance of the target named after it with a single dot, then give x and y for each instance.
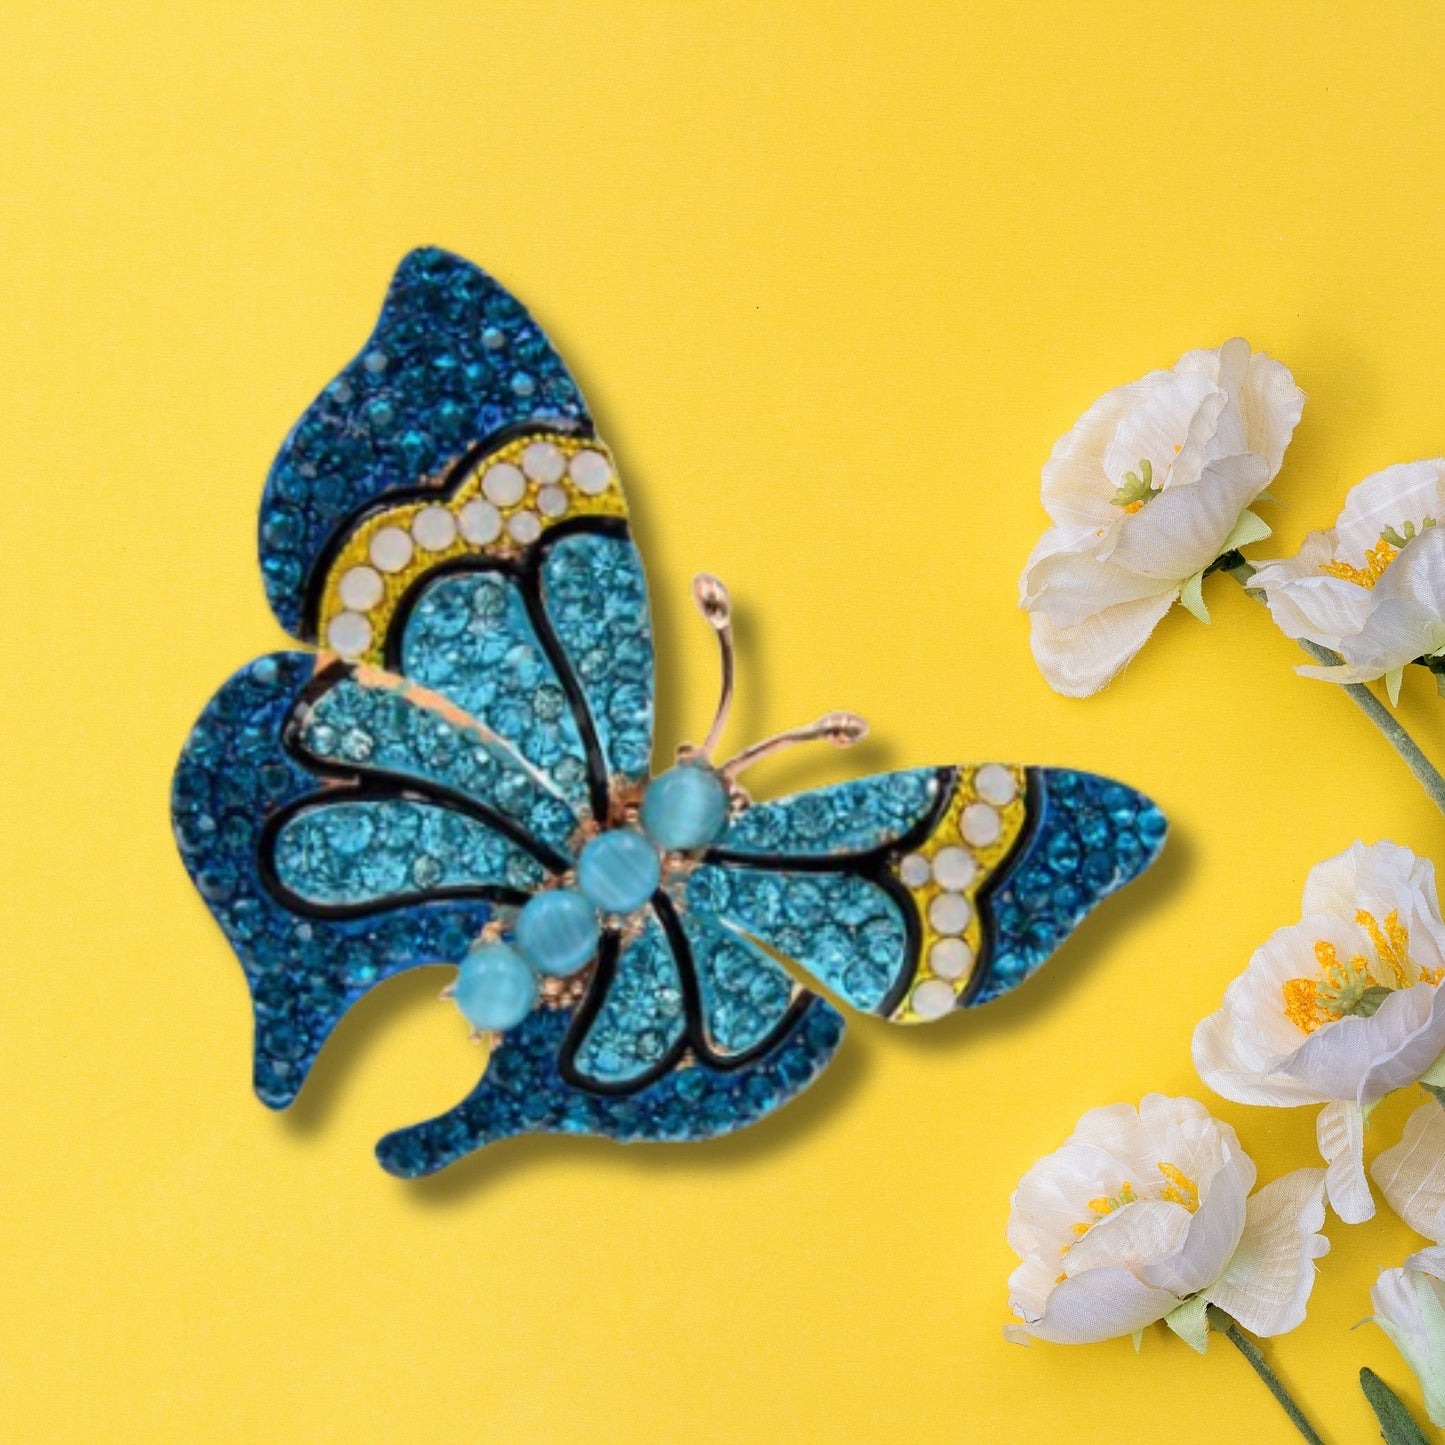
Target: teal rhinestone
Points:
(557, 931)
(496, 987)
(619, 871)
(685, 807)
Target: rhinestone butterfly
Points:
(460, 773)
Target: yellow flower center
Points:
(1178, 1188)
(1343, 987)
(1378, 559)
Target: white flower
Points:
(1410, 1307)
(1411, 1175)
(1143, 1210)
(1152, 485)
(1372, 588)
(1340, 1008)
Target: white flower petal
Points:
(1272, 406)
(1100, 1305)
(1067, 582)
(1410, 1308)
(1170, 430)
(1411, 1174)
(1405, 492)
(1213, 1230)
(1216, 1059)
(1185, 528)
(1076, 492)
(1340, 1130)
(1077, 661)
(1270, 1277)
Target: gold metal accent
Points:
(842, 729)
(716, 607)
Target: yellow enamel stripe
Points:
(357, 550)
(949, 834)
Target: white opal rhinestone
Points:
(361, 588)
(950, 958)
(543, 462)
(954, 868)
(995, 784)
(390, 549)
(553, 501)
(981, 825)
(504, 485)
(913, 870)
(949, 913)
(591, 472)
(524, 527)
(349, 633)
(481, 522)
(434, 528)
(932, 999)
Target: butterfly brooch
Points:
(460, 773)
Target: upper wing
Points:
(911, 894)
(445, 511)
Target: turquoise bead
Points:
(619, 871)
(496, 987)
(685, 807)
(557, 931)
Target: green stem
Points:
(1426, 773)
(1246, 1347)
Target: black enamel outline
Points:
(336, 912)
(874, 865)
(446, 483)
(423, 789)
(693, 1037)
(526, 572)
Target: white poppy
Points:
(1372, 588)
(1144, 1210)
(1151, 486)
(1341, 1008)
(1410, 1307)
(1411, 1175)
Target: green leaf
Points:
(1437, 1090)
(1192, 596)
(1138, 1338)
(1397, 1425)
(1247, 529)
(1190, 1322)
(1393, 679)
(1435, 1074)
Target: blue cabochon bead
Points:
(496, 987)
(685, 807)
(619, 871)
(557, 931)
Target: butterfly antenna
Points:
(842, 729)
(717, 610)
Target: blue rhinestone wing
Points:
(524, 1091)
(911, 894)
(308, 960)
(455, 361)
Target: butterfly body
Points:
(462, 774)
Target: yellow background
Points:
(833, 279)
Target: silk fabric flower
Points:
(1144, 1210)
(1372, 588)
(1151, 485)
(1340, 1008)
(1410, 1307)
